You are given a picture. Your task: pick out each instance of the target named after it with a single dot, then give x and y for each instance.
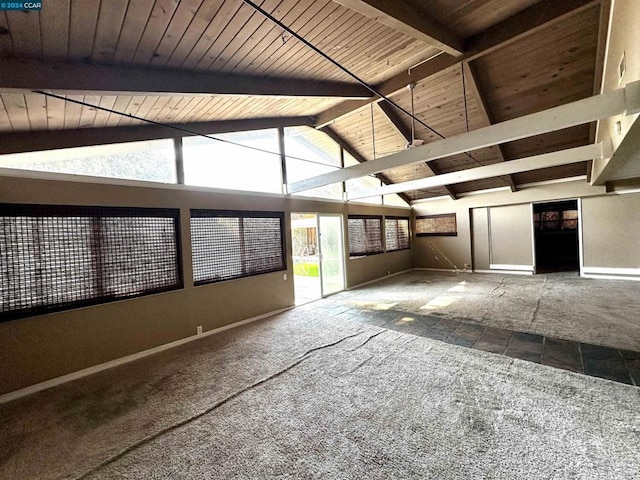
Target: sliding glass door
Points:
(318, 255)
(331, 254)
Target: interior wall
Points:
(611, 231)
(43, 347)
(452, 253)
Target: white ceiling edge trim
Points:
(625, 100)
(553, 159)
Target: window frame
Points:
(239, 214)
(95, 212)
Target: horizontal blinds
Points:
(58, 257)
(365, 235)
(234, 244)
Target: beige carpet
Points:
(302, 396)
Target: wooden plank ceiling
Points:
(517, 73)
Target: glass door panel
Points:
(332, 255)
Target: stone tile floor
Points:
(613, 364)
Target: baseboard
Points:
(606, 273)
(512, 269)
(443, 270)
(7, 397)
(375, 280)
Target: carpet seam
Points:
(222, 402)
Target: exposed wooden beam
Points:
(474, 88)
(547, 160)
(389, 112)
(408, 19)
(22, 76)
(606, 10)
(518, 26)
(625, 100)
(18, 142)
(354, 153)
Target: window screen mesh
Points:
(437, 225)
(396, 233)
(365, 235)
(54, 257)
(227, 245)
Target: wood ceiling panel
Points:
(55, 30)
(325, 31)
(264, 36)
(468, 17)
(72, 112)
(357, 130)
(273, 47)
(82, 29)
(16, 107)
(155, 28)
(408, 172)
(177, 28)
(87, 114)
(430, 193)
(546, 174)
(5, 124)
(37, 111)
(541, 71)
(55, 113)
(549, 142)
(133, 27)
(110, 20)
(232, 38)
(6, 46)
(222, 17)
(102, 116)
(25, 33)
(481, 185)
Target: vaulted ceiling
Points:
(218, 65)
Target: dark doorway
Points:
(556, 236)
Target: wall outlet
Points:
(199, 329)
(284, 276)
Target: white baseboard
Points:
(375, 280)
(7, 397)
(519, 268)
(606, 273)
(512, 269)
(444, 270)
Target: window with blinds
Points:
(365, 235)
(60, 257)
(443, 225)
(396, 233)
(234, 244)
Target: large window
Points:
(153, 161)
(221, 164)
(361, 184)
(311, 152)
(59, 257)
(234, 244)
(365, 235)
(396, 233)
